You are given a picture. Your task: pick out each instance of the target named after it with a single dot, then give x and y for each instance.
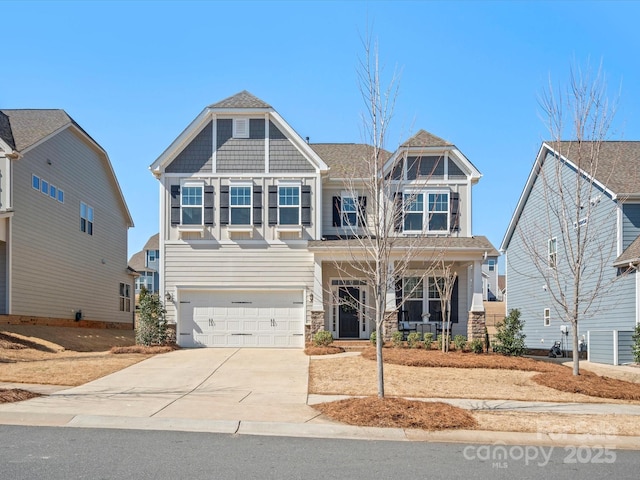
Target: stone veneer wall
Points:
(476, 326)
(389, 325)
(317, 324)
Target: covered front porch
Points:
(344, 298)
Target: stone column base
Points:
(317, 324)
(476, 326)
(389, 325)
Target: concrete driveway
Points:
(262, 385)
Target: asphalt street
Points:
(84, 453)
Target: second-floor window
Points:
(240, 204)
(492, 265)
(553, 252)
(191, 204)
(86, 218)
(289, 205)
(349, 210)
(546, 317)
(426, 212)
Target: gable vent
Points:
(240, 128)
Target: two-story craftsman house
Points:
(254, 220)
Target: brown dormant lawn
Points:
(488, 377)
(30, 354)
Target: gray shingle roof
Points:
(153, 243)
(243, 99)
(137, 262)
(5, 130)
(28, 126)
(426, 139)
(347, 159)
(630, 254)
(479, 243)
(618, 163)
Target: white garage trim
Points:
(241, 318)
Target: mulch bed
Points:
(397, 413)
(16, 395)
(435, 358)
(146, 350)
(328, 350)
(588, 383)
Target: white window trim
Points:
(33, 177)
(546, 317)
(355, 199)
(364, 326)
(242, 227)
(294, 228)
(555, 253)
(86, 219)
(413, 193)
(238, 131)
(192, 227)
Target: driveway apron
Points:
(246, 384)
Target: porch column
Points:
(316, 322)
(390, 323)
(476, 325)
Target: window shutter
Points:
(208, 205)
(455, 211)
(175, 204)
(399, 299)
(454, 302)
(306, 205)
(273, 204)
(336, 211)
(257, 204)
(224, 205)
(362, 211)
(397, 211)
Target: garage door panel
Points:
(242, 318)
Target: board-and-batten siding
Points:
(56, 268)
(236, 267)
(630, 223)
(615, 310)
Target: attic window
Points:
(240, 128)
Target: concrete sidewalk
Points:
(254, 392)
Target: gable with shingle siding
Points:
(240, 155)
(284, 157)
(196, 156)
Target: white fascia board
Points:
(5, 148)
(473, 171)
(299, 142)
(180, 142)
(524, 196)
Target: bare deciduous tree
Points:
(569, 241)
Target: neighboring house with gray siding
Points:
(146, 263)
(612, 213)
(253, 220)
(63, 222)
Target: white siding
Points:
(56, 268)
(240, 267)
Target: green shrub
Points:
(460, 341)
(413, 339)
(636, 344)
(151, 327)
(372, 338)
(476, 345)
(396, 339)
(323, 338)
(509, 339)
(428, 340)
(439, 340)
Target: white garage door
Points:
(241, 319)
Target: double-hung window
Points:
(191, 204)
(492, 265)
(240, 204)
(553, 252)
(436, 284)
(426, 211)
(413, 212)
(125, 297)
(349, 213)
(438, 212)
(413, 295)
(547, 317)
(86, 218)
(289, 205)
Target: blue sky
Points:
(134, 74)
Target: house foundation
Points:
(476, 326)
(317, 324)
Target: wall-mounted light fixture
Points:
(168, 296)
(48, 162)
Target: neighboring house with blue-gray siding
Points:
(63, 223)
(537, 257)
(147, 264)
(259, 237)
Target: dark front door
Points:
(348, 312)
